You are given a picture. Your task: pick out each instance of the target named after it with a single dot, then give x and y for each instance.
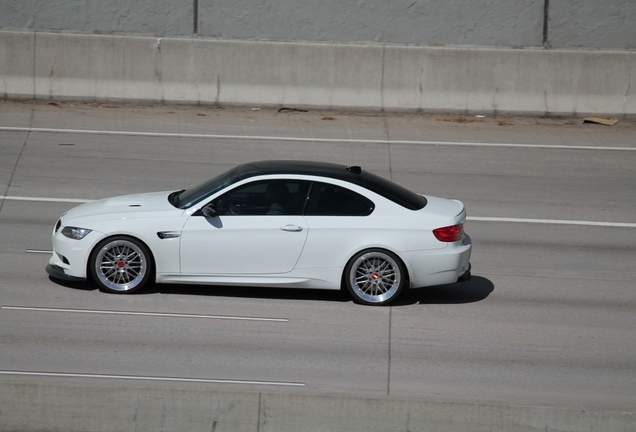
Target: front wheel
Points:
(375, 277)
(121, 265)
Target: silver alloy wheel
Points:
(375, 277)
(120, 265)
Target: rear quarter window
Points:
(331, 200)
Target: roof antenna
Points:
(354, 169)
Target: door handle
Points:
(291, 228)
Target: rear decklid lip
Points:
(461, 216)
(449, 208)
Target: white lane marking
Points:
(22, 198)
(150, 378)
(301, 139)
(553, 221)
(153, 314)
(470, 218)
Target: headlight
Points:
(75, 233)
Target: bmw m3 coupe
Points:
(272, 224)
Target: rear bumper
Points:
(466, 276)
(440, 266)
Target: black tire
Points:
(375, 277)
(121, 265)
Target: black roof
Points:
(323, 169)
(351, 174)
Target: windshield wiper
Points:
(173, 198)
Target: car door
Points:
(339, 224)
(259, 229)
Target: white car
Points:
(271, 224)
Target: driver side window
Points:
(265, 197)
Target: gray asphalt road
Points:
(548, 318)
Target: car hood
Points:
(122, 207)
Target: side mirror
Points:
(209, 210)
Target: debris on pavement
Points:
(285, 109)
(461, 120)
(606, 122)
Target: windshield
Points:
(190, 197)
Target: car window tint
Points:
(331, 200)
(190, 197)
(265, 197)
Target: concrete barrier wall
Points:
(591, 24)
(588, 24)
(100, 406)
(424, 22)
(155, 17)
(377, 77)
(17, 51)
(490, 56)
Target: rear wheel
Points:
(375, 277)
(121, 265)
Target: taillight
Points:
(449, 234)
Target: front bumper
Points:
(70, 257)
(58, 273)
